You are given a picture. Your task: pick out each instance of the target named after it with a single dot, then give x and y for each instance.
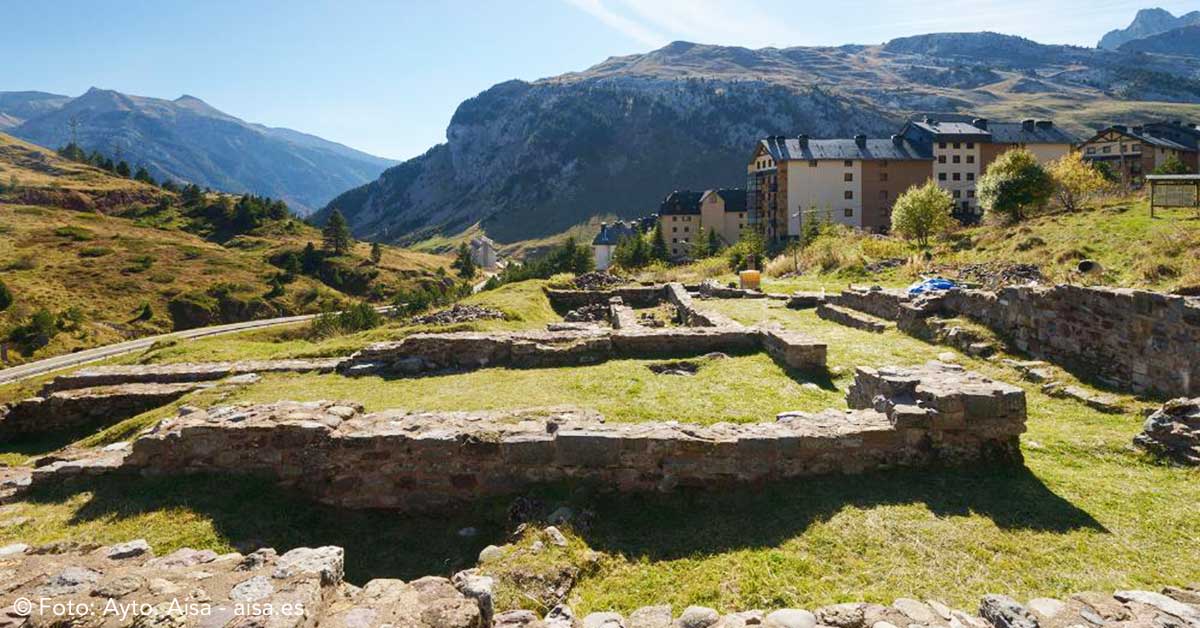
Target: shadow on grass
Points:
(249, 513)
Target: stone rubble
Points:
(1173, 432)
(853, 318)
(458, 313)
(597, 280)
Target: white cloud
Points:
(630, 28)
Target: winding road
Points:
(41, 367)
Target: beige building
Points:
(1134, 152)
(483, 252)
(852, 182)
(963, 150)
(723, 211)
(679, 215)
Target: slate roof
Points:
(613, 234)
(1016, 133)
(956, 129)
(680, 202)
(783, 149)
(1152, 140)
(735, 198)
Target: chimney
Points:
(980, 123)
(1120, 128)
(897, 140)
(1044, 124)
(1138, 130)
(1027, 124)
(861, 140)
(803, 139)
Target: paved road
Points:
(41, 367)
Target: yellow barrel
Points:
(749, 279)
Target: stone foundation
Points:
(878, 302)
(427, 353)
(634, 296)
(85, 407)
(851, 318)
(181, 373)
(935, 414)
(1129, 339)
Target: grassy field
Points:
(1086, 512)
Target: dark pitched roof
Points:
(1141, 136)
(783, 149)
(734, 198)
(952, 129)
(613, 234)
(680, 202)
(1037, 133)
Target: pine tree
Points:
(714, 242)
(464, 263)
(376, 253)
(310, 260)
(6, 297)
(658, 245)
(122, 169)
(336, 234)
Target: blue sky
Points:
(385, 77)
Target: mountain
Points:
(96, 250)
(1184, 40)
(1147, 23)
(187, 139)
(526, 160)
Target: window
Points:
(957, 193)
(883, 176)
(849, 194)
(941, 159)
(848, 212)
(883, 194)
(970, 144)
(957, 159)
(812, 163)
(970, 176)
(1091, 150)
(883, 163)
(970, 159)
(970, 193)
(941, 144)
(1136, 148)
(849, 176)
(674, 240)
(957, 146)
(1106, 149)
(674, 229)
(966, 205)
(941, 176)
(847, 163)
(956, 176)
(685, 229)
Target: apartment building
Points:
(1133, 152)
(852, 182)
(680, 217)
(962, 151)
(724, 211)
(483, 252)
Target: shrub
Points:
(1014, 185)
(76, 234)
(748, 251)
(35, 333)
(6, 297)
(95, 251)
(1173, 165)
(140, 263)
(1075, 180)
(922, 213)
(358, 317)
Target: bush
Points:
(1173, 165)
(1014, 185)
(6, 297)
(95, 251)
(1075, 180)
(35, 333)
(76, 234)
(922, 213)
(358, 317)
(748, 252)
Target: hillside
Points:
(187, 139)
(95, 250)
(527, 160)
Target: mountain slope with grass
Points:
(525, 160)
(187, 139)
(92, 258)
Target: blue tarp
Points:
(930, 285)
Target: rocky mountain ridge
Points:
(1147, 23)
(527, 160)
(187, 139)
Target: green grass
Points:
(1087, 512)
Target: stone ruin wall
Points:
(306, 587)
(335, 453)
(1130, 339)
